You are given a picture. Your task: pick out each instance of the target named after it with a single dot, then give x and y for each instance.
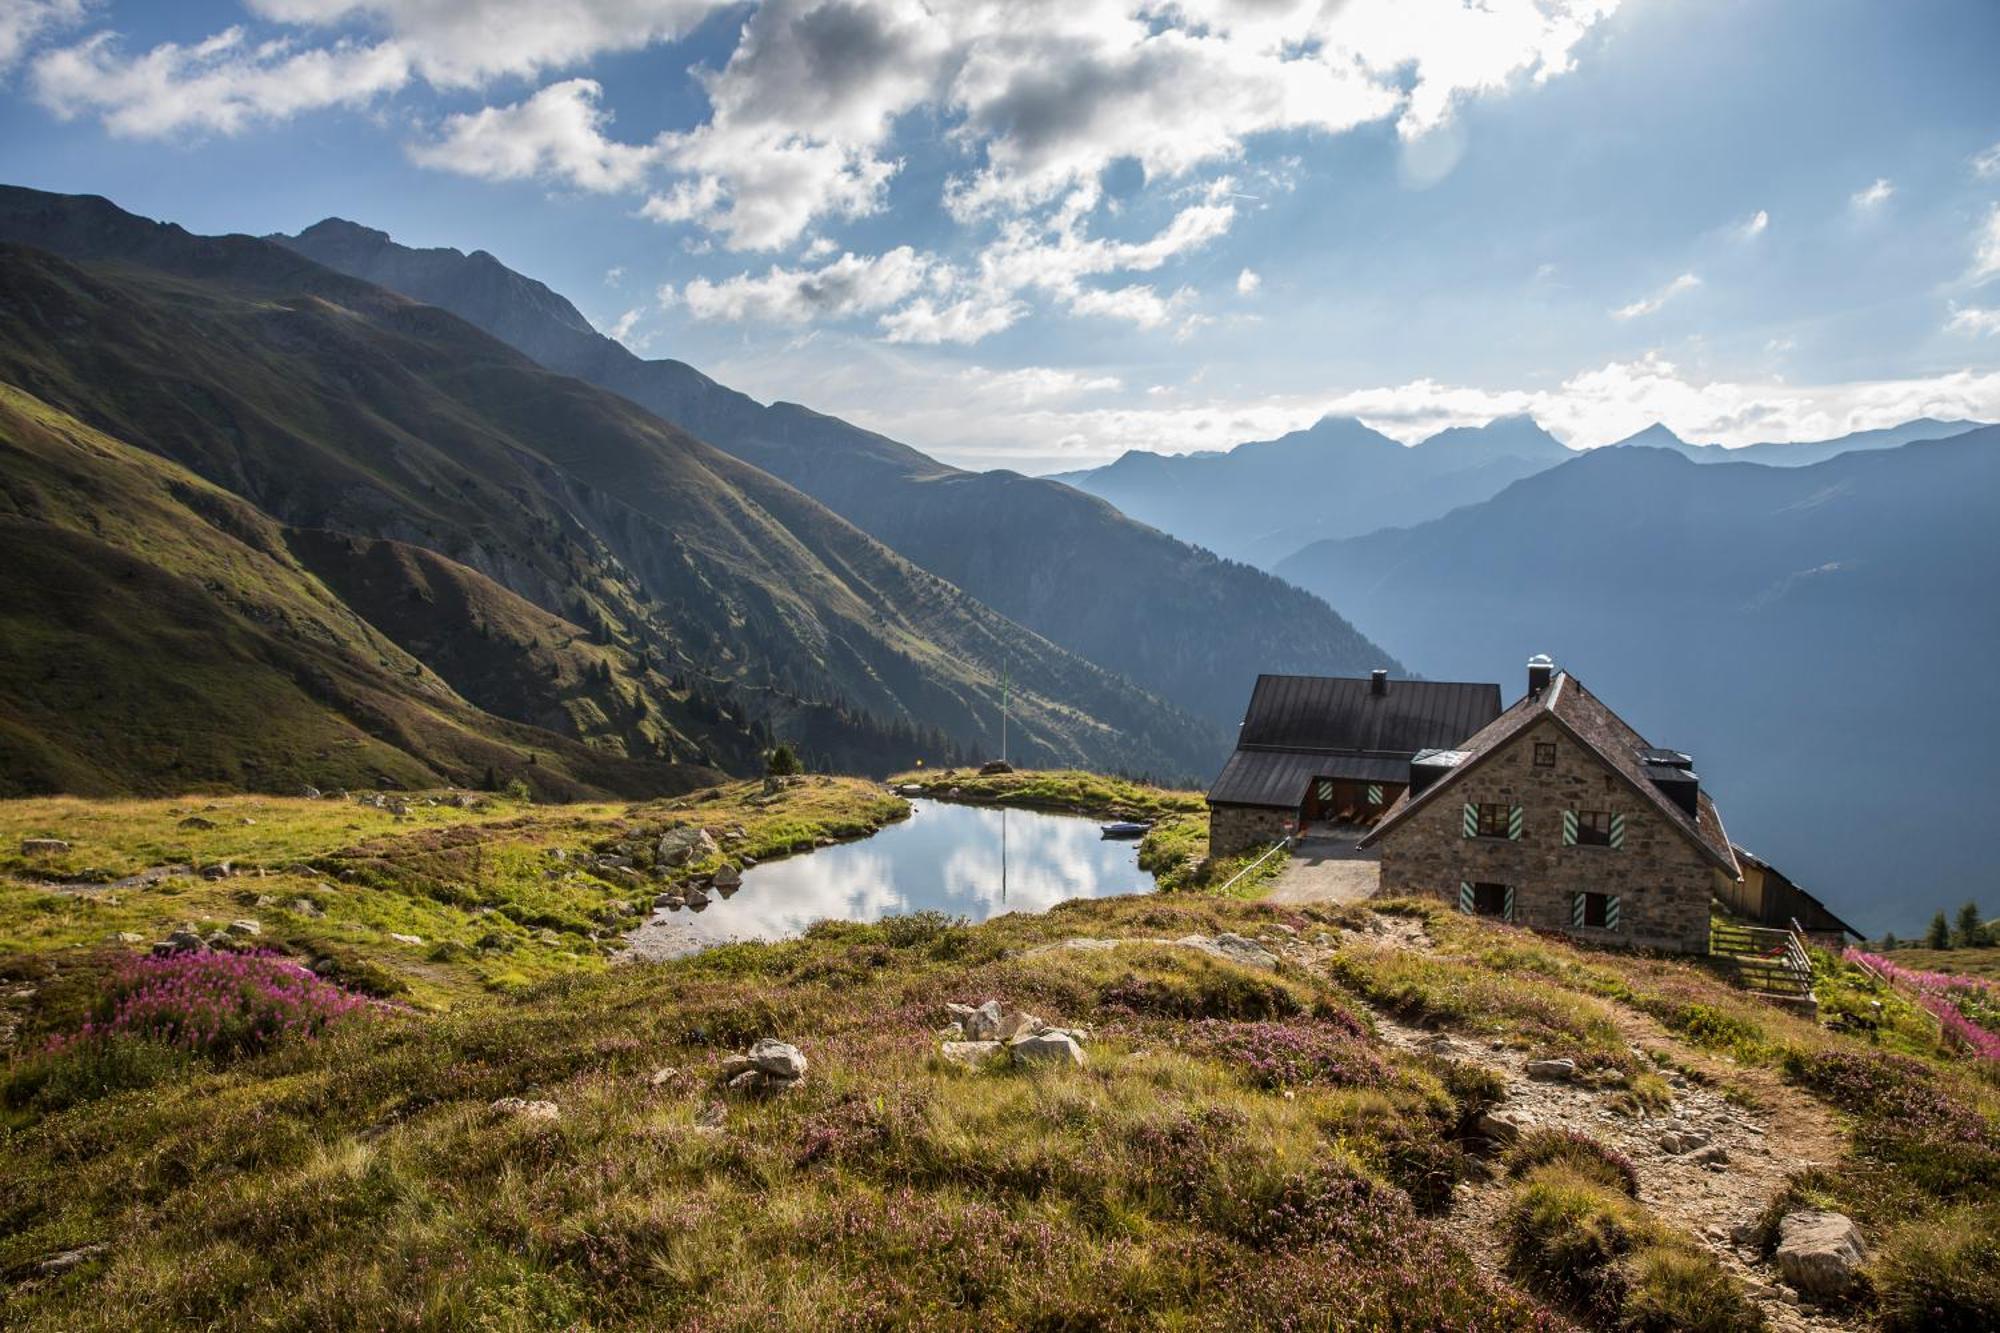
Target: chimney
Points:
(1541, 670)
(1378, 682)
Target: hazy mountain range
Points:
(1178, 621)
(1265, 501)
(423, 555)
(1821, 637)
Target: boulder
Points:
(310, 792)
(971, 1054)
(1046, 1048)
(1504, 1126)
(697, 896)
(305, 907)
(219, 870)
(680, 846)
(778, 1057)
(182, 940)
(245, 928)
(661, 1076)
(523, 1109)
(983, 1023)
(1820, 1253)
(43, 846)
(1714, 1155)
(406, 939)
(197, 822)
(1552, 1071)
(727, 879)
(1682, 1141)
(1232, 947)
(995, 767)
(1014, 1024)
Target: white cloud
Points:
(556, 135)
(1033, 385)
(465, 43)
(25, 23)
(964, 322)
(1986, 247)
(614, 276)
(222, 85)
(1973, 321)
(848, 286)
(1873, 196)
(1247, 282)
(1986, 164)
(1755, 225)
(1647, 305)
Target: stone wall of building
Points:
(1236, 829)
(1663, 882)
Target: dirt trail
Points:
(1767, 1132)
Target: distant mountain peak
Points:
(340, 229)
(1655, 436)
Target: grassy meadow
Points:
(1245, 1146)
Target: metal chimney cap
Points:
(1542, 660)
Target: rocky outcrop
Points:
(768, 1068)
(1821, 1254)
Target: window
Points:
(1594, 911)
(1545, 754)
(1495, 819)
(1486, 900)
(1593, 828)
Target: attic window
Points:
(1545, 754)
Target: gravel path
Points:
(1327, 870)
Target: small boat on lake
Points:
(1125, 828)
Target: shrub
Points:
(213, 1004)
(1942, 1273)
(1581, 1240)
(1577, 1151)
(74, 1072)
(1287, 1055)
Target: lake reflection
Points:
(970, 861)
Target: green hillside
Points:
(333, 405)
(157, 634)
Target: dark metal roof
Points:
(1280, 777)
(1341, 713)
(1298, 728)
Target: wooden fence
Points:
(1765, 959)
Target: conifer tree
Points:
(1939, 935)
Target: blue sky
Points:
(1036, 234)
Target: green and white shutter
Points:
(1325, 790)
(1569, 830)
(1611, 912)
(1617, 833)
(1576, 910)
(1374, 793)
(1465, 897)
(1507, 906)
(1471, 820)
(1514, 826)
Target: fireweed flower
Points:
(218, 1004)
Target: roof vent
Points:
(1672, 771)
(1541, 670)
(1378, 681)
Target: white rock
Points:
(406, 939)
(528, 1110)
(971, 1054)
(777, 1057)
(983, 1023)
(1047, 1048)
(1504, 1126)
(245, 927)
(1552, 1071)
(1018, 1024)
(1820, 1253)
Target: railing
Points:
(1274, 848)
(1765, 959)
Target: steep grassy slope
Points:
(1180, 622)
(159, 636)
(333, 404)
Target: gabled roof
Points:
(1748, 857)
(1298, 728)
(1594, 726)
(1342, 713)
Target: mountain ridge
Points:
(1067, 565)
